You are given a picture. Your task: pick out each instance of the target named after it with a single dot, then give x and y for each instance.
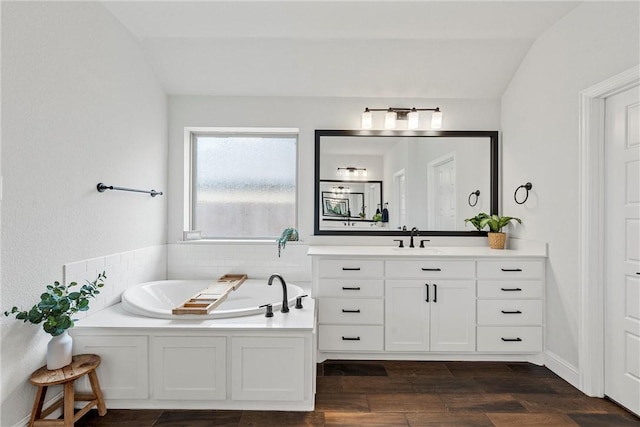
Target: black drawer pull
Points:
(431, 269)
(350, 338)
(350, 311)
(511, 269)
(511, 339)
(350, 268)
(435, 293)
(511, 289)
(427, 285)
(511, 312)
(350, 288)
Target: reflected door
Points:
(400, 199)
(443, 186)
(622, 249)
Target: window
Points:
(243, 183)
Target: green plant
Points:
(476, 220)
(495, 222)
(58, 304)
(377, 217)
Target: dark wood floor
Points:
(351, 393)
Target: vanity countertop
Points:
(536, 251)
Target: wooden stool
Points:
(83, 364)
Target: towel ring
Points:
(475, 193)
(528, 186)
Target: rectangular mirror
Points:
(383, 182)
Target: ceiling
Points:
(388, 48)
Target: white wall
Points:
(307, 114)
(540, 143)
(79, 106)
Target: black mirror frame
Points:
(492, 135)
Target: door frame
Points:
(592, 226)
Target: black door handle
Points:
(348, 288)
(511, 269)
(431, 269)
(511, 312)
(350, 311)
(350, 338)
(512, 339)
(350, 268)
(511, 289)
(427, 285)
(435, 293)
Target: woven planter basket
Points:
(497, 240)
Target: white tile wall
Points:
(123, 270)
(207, 260)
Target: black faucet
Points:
(411, 245)
(285, 302)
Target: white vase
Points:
(59, 351)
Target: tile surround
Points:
(257, 260)
(123, 270)
(188, 261)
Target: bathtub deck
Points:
(116, 317)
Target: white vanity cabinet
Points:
(426, 312)
(510, 305)
(351, 314)
(455, 303)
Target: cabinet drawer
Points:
(510, 312)
(431, 269)
(510, 339)
(351, 311)
(349, 268)
(507, 289)
(511, 269)
(358, 288)
(348, 338)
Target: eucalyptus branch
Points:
(58, 304)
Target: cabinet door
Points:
(406, 315)
(269, 369)
(190, 368)
(453, 315)
(123, 373)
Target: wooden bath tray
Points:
(208, 299)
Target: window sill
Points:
(236, 242)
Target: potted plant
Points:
(496, 223)
(57, 305)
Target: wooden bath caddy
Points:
(207, 300)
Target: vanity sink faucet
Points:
(414, 229)
(285, 304)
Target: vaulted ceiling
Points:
(388, 48)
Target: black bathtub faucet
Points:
(285, 303)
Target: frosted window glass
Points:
(244, 186)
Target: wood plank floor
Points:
(389, 393)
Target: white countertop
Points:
(116, 317)
(536, 251)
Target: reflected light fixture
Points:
(340, 190)
(393, 114)
(350, 171)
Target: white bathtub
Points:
(157, 299)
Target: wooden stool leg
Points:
(95, 387)
(69, 403)
(37, 404)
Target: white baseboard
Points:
(562, 368)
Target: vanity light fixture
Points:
(350, 171)
(393, 114)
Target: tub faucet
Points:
(414, 229)
(285, 304)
